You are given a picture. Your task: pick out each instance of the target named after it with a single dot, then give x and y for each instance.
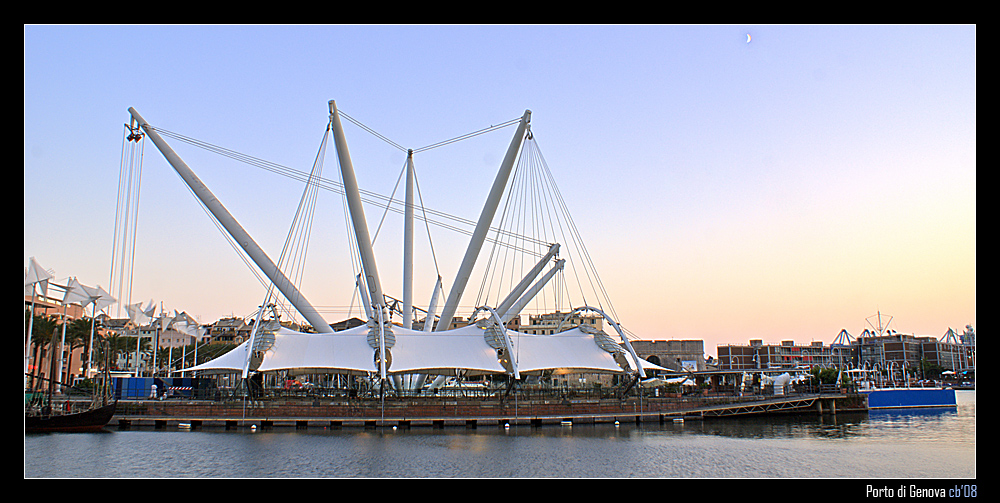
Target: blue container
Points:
(137, 388)
(911, 397)
(132, 387)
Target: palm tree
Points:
(106, 347)
(77, 335)
(42, 329)
(163, 359)
(123, 344)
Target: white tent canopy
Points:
(416, 351)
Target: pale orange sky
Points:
(783, 189)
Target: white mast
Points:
(523, 285)
(415, 381)
(235, 229)
(432, 308)
(483, 226)
(369, 270)
(515, 308)
(408, 246)
(353, 195)
(365, 301)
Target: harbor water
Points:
(890, 444)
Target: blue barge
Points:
(879, 397)
(897, 398)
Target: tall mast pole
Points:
(483, 226)
(514, 309)
(369, 269)
(235, 230)
(515, 294)
(357, 212)
(408, 246)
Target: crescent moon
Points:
(748, 38)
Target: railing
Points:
(481, 393)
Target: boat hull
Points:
(88, 421)
(901, 398)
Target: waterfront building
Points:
(171, 338)
(890, 350)
(45, 306)
(907, 351)
(786, 355)
(113, 325)
(673, 354)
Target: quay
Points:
(466, 413)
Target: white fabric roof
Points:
(427, 352)
(415, 351)
(346, 350)
(231, 361)
(571, 349)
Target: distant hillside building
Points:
(228, 331)
(458, 322)
(549, 323)
(348, 323)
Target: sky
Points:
(731, 182)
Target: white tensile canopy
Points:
(415, 351)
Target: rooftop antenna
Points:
(880, 329)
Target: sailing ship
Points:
(90, 420)
(43, 416)
(40, 413)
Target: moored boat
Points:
(90, 420)
(42, 417)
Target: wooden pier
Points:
(469, 413)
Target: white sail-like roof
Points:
(443, 352)
(346, 351)
(570, 350)
(229, 362)
(415, 351)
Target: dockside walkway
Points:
(464, 412)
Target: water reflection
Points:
(838, 426)
(896, 443)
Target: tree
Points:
(77, 335)
(930, 370)
(119, 345)
(41, 336)
(828, 376)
